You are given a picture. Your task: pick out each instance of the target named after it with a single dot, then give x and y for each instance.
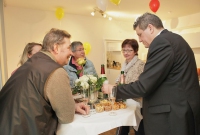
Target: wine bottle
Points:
(121, 82)
(122, 78)
(102, 79)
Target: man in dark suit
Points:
(169, 83)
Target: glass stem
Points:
(92, 106)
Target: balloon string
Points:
(60, 23)
(119, 6)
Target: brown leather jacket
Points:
(23, 108)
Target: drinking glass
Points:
(88, 73)
(112, 98)
(85, 100)
(92, 97)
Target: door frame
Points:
(106, 42)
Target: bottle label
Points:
(100, 94)
(102, 75)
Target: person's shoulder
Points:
(140, 61)
(160, 41)
(14, 71)
(168, 35)
(66, 66)
(89, 62)
(59, 72)
(69, 68)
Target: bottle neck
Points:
(122, 79)
(102, 70)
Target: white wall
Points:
(27, 25)
(189, 27)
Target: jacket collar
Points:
(71, 64)
(72, 67)
(164, 31)
(49, 54)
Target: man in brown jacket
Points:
(38, 95)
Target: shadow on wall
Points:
(196, 50)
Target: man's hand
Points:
(82, 108)
(107, 88)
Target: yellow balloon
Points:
(87, 47)
(116, 2)
(59, 13)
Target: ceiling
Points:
(127, 10)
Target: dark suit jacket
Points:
(169, 87)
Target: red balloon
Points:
(154, 5)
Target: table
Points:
(101, 122)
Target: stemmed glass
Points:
(85, 100)
(112, 98)
(92, 97)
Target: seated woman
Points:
(132, 68)
(72, 67)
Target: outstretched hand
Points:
(82, 108)
(107, 88)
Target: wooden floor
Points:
(113, 132)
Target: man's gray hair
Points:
(54, 36)
(74, 45)
(147, 18)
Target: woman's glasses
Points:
(80, 50)
(126, 51)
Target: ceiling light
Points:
(96, 9)
(93, 13)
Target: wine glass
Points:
(89, 73)
(112, 98)
(92, 97)
(85, 100)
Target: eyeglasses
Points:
(126, 51)
(79, 50)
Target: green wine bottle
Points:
(122, 81)
(102, 79)
(122, 78)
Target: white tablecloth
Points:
(101, 122)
